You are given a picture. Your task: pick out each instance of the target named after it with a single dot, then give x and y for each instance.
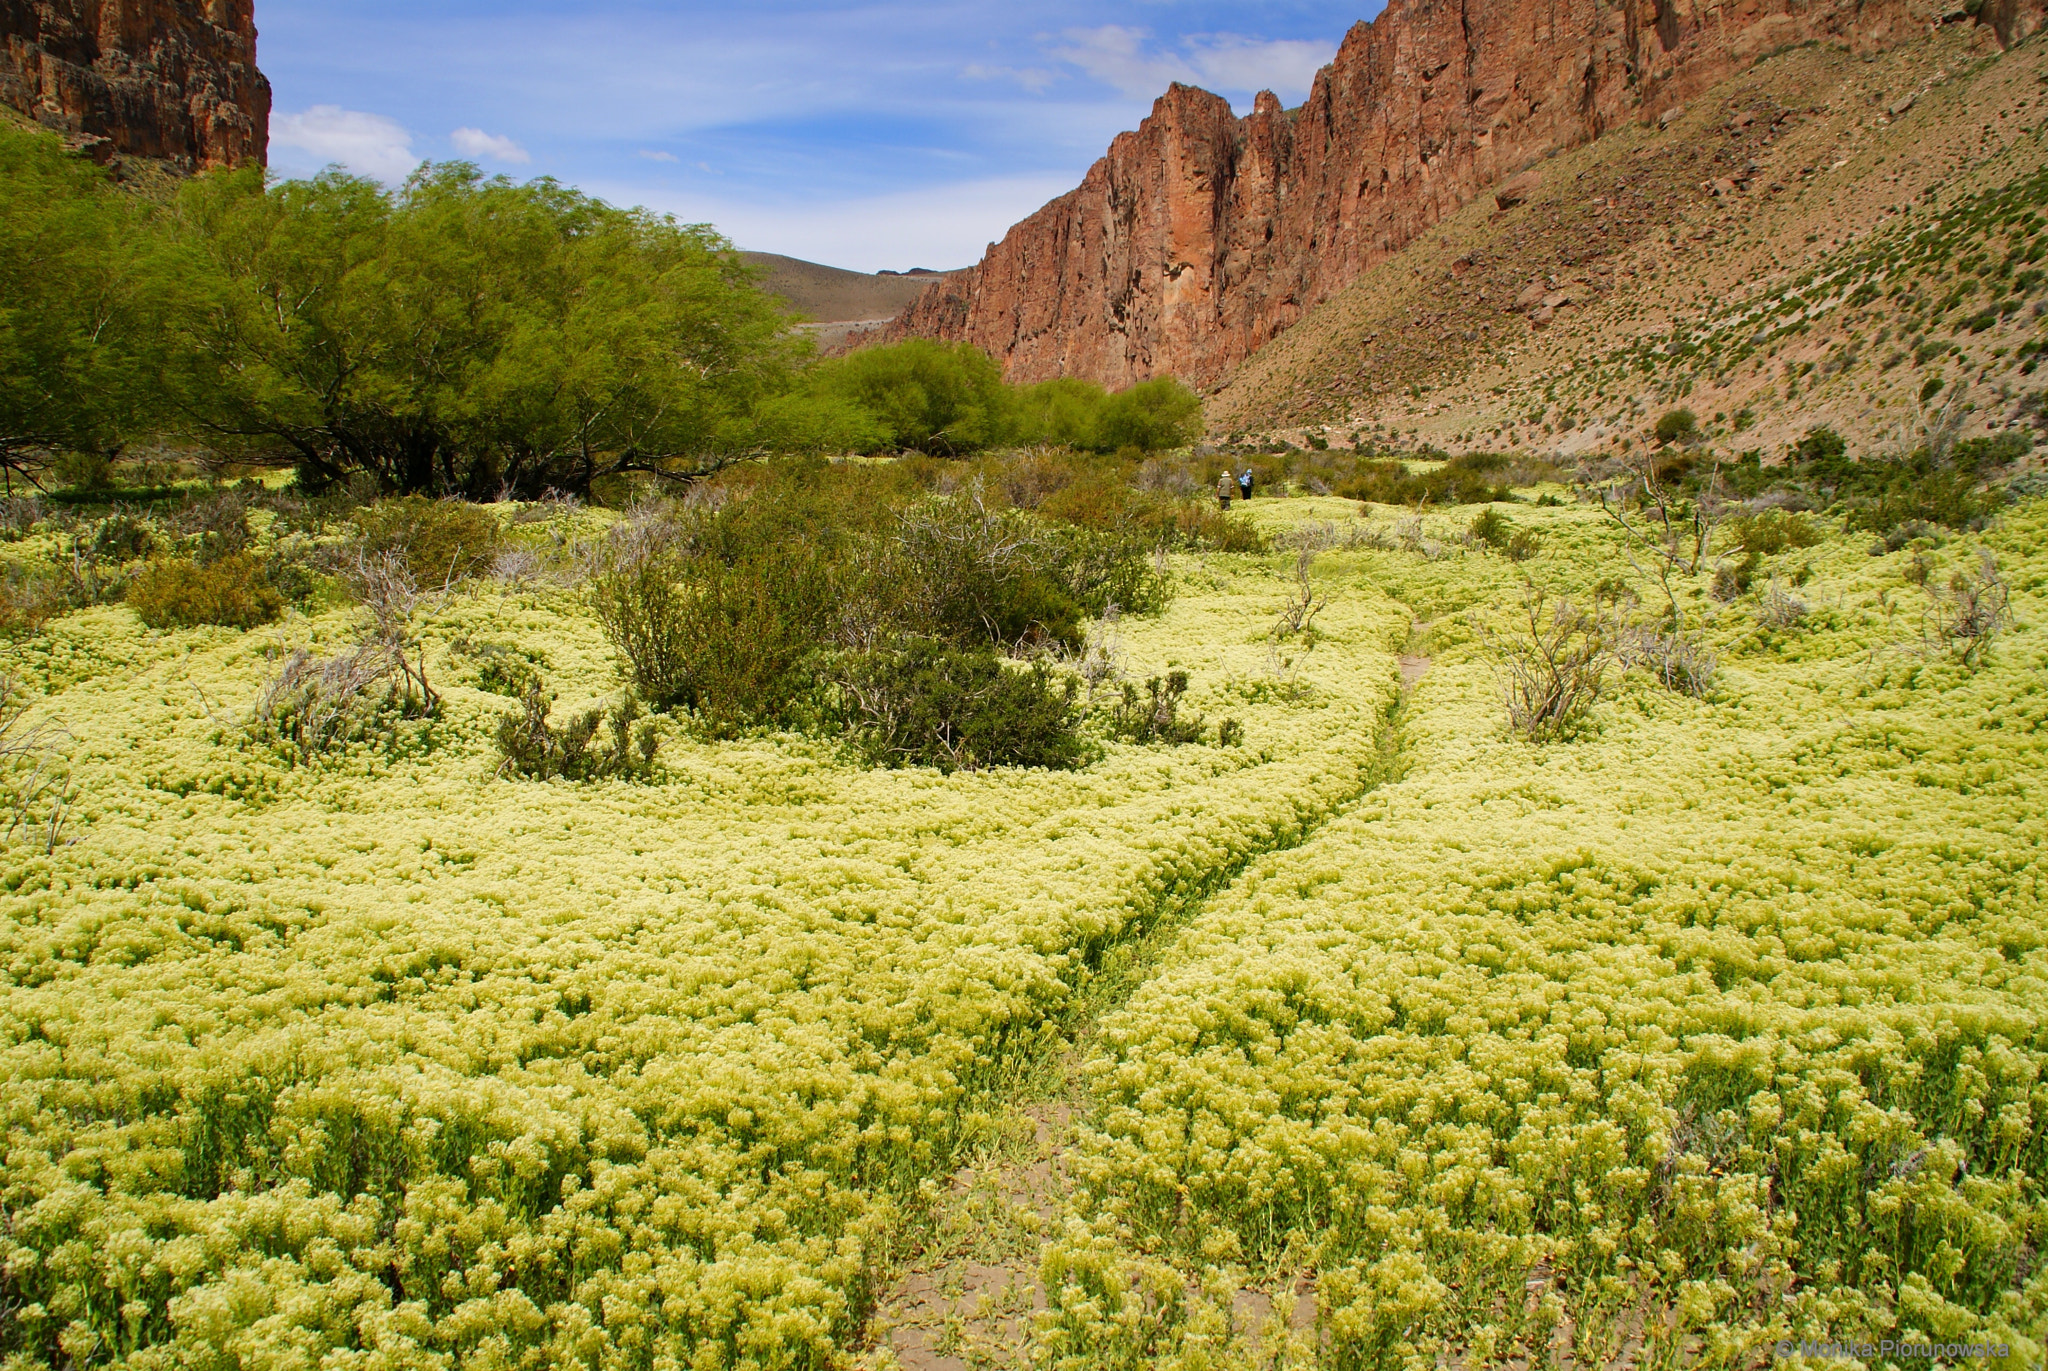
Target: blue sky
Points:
(873, 135)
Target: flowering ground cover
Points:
(1718, 1027)
(390, 1061)
(1716, 1023)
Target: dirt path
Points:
(964, 1300)
(967, 1300)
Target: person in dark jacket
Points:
(1244, 482)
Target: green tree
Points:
(463, 335)
(1151, 416)
(83, 291)
(932, 397)
(1066, 412)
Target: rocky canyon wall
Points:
(168, 79)
(1201, 236)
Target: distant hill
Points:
(832, 295)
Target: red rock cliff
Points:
(1201, 236)
(172, 79)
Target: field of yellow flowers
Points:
(1718, 1025)
(391, 1062)
(1711, 1035)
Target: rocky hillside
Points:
(171, 80)
(1201, 237)
(1821, 240)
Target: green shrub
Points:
(440, 541)
(1821, 446)
(84, 471)
(1676, 426)
(928, 704)
(1104, 567)
(923, 395)
(1156, 717)
(1772, 532)
(1979, 455)
(724, 641)
(1463, 480)
(175, 592)
(1065, 412)
(1150, 518)
(529, 745)
(973, 575)
(1490, 527)
(1903, 495)
(1151, 417)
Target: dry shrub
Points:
(175, 592)
(30, 599)
(1167, 476)
(18, 515)
(1678, 661)
(314, 703)
(1031, 479)
(1781, 609)
(1298, 613)
(1554, 667)
(35, 782)
(1967, 616)
(1412, 539)
(212, 526)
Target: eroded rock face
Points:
(1201, 236)
(170, 79)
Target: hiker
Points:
(1224, 487)
(1244, 482)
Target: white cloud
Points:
(368, 144)
(1125, 58)
(1117, 56)
(1033, 79)
(477, 143)
(939, 226)
(654, 155)
(1287, 67)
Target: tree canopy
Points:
(463, 334)
(81, 310)
(457, 335)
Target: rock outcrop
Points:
(1201, 236)
(174, 80)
